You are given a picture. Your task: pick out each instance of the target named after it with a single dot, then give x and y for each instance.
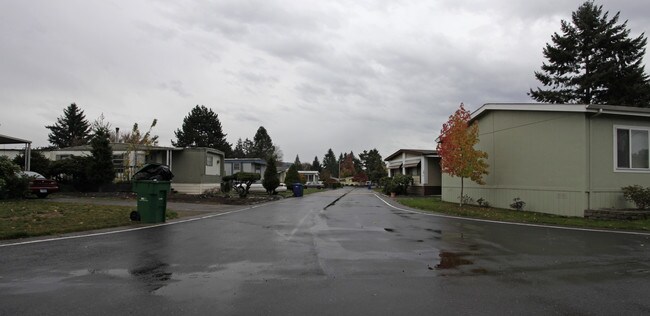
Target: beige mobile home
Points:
(195, 169)
(421, 164)
(558, 158)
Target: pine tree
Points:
(298, 164)
(330, 164)
(271, 180)
(315, 165)
(594, 61)
(100, 168)
(71, 129)
(458, 157)
(263, 145)
(238, 151)
(373, 164)
(292, 176)
(202, 128)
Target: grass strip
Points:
(31, 218)
(434, 204)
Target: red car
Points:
(39, 185)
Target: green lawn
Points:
(29, 218)
(435, 205)
(32, 217)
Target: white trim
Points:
(544, 107)
(551, 107)
(615, 148)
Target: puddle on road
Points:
(153, 276)
(437, 231)
(451, 260)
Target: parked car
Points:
(40, 185)
(258, 187)
(317, 185)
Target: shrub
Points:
(271, 181)
(213, 192)
(397, 184)
(11, 184)
(389, 187)
(518, 204)
(465, 199)
(244, 181)
(637, 194)
(74, 171)
(38, 163)
(483, 203)
(226, 186)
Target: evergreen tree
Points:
(100, 168)
(271, 180)
(315, 165)
(202, 128)
(238, 151)
(373, 164)
(358, 166)
(594, 61)
(330, 164)
(71, 129)
(292, 176)
(263, 145)
(298, 164)
(38, 162)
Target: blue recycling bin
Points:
(297, 189)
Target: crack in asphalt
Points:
(334, 202)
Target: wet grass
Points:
(432, 204)
(31, 217)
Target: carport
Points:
(4, 139)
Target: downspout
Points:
(589, 161)
(169, 158)
(589, 153)
(424, 171)
(28, 156)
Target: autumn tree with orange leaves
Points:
(458, 157)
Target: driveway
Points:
(336, 252)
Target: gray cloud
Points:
(316, 74)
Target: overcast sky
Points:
(346, 75)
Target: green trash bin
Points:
(152, 199)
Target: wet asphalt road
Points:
(356, 257)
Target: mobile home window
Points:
(235, 166)
(632, 144)
(209, 162)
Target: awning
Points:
(395, 166)
(411, 164)
(4, 139)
